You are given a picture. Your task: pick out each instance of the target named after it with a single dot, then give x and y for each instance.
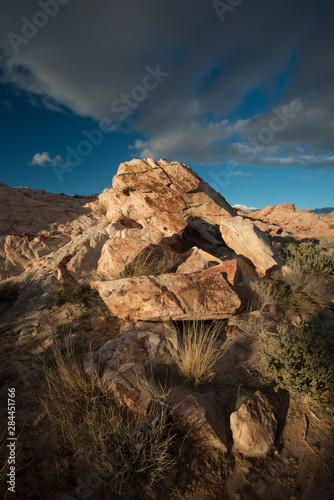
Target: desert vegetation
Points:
(155, 261)
(301, 360)
(125, 452)
(199, 350)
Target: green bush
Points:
(302, 361)
(311, 257)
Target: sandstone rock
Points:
(135, 245)
(201, 416)
(169, 296)
(287, 218)
(230, 270)
(248, 241)
(128, 363)
(196, 260)
(254, 426)
(162, 196)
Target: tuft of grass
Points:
(73, 293)
(199, 350)
(253, 322)
(151, 262)
(294, 292)
(302, 361)
(130, 454)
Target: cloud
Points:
(44, 159)
(194, 114)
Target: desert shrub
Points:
(302, 361)
(9, 291)
(199, 350)
(153, 262)
(253, 323)
(295, 291)
(265, 295)
(311, 257)
(130, 454)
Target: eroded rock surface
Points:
(254, 426)
(170, 296)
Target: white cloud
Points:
(44, 159)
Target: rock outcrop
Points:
(248, 241)
(156, 213)
(130, 362)
(286, 219)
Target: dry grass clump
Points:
(129, 454)
(293, 292)
(302, 360)
(199, 350)
(153, 262)
(254, 322)
(73, 293)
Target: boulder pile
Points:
(159, 246)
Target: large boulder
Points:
(248, 241)
(170, 296)
(131, 247)
(129, 363)
(162, 196)
(254, 426)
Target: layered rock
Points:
(170, 296)
(162, 196)
(285, 218)
(248, 241)
(162, 210)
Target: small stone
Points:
(254, 426)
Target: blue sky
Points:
(221, 87)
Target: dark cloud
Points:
(93, 54)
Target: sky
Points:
(240, 90)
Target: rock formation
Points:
(286, 219)
(163, 211)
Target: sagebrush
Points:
(301, 360)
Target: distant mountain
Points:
(323, 211)
(245, 208)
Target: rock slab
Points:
(177, 297)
